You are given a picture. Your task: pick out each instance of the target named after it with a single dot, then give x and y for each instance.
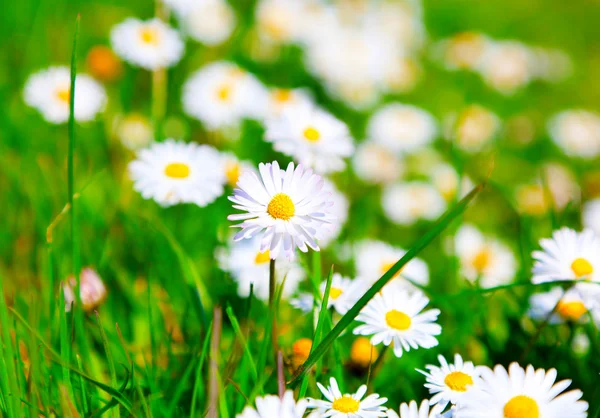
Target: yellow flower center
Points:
(232, 173)
(281, 207)
(397, 320)
(282, 95)
(224, 92)
(482, 260)
(385, 267)
(346, 404)
(458, 381)
(149, 36)
(581, 267)
(362, 352)
(335, 292)
(571, 310)
(262, 258)
(177, 170)
(521, 407)
(64, 95)
(311, 134)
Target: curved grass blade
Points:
(347, 319)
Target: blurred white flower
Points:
(338, 405)
(484, 259)
(312, 136)
(49, 91)
(281, 98)
(271, 406)
(173, 172)
(91, 290)
(473, 128)
(279, 21)
(591, 215)
(149, 44)
(445, 178)
(233, 168)
(463, 51)
(576, 132)
(572, 305)
(343, 294)
(134, 131)
(221, 94)
(339, 210)
(406, 203)
(413, 410)
(210, 22)
(373, 163)
(507, 66)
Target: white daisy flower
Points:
(464, 50)
(233, 168)
(402, 128)
(305, 302)
(312, 136)
(134, 131)
(406, 203)
(523, 393)
(210, 22)
(450, 383)
(182, 7)
(149, 44)
(591, 215)
(290, 206)
(281, 98)
(568, 255)
(278, 20)
(448, 182)
(271, 406)
(339, 210)
(374, 258)
(91, 290)
(473, 128)
(507, 66)
(572, 305)
(394, 316)
(221, 94)
(576, 132)
(373, 163)
(49, 91)
(249, 266)
(173, 172)
(413, 410)
(338, 405)
(343, 294)
(484, 259)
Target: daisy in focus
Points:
(91, 290)
(576, 132)
(572, 305)
(312, 136)
(413, 410)
(173, 172)
(484, 259)
(568, 255)
(271, 406)
(523, 393)
(450, 383)
(150, 44)
(49, 92)
(338, 405)
(395, 316)
(406, 203)
(288, 208)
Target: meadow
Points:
(214, 208)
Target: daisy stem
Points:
(272, 282)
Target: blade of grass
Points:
(239, 334)
(8, 357)
(109, 359)
(198, 384)
(347, 319)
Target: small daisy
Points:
(448, 182)
(312, 136)
(474, 128)
(464, 50)
(250, 266)
(233, 168)
(450, 383)
(568, 255)
(91, 290)
(507, 66)
(290, 206)
(339, 210)
(523, 393)
(49, 91)
(134, 131)
(373, 163)
(221, 94)
(591, 215)
(281, 98)
(337, 405)
(173, 172)
(406, 203)
(413, 410)
(572, 305)
(374, 258)
(271, 406)
(394, 316)
(484, 259)
(210, 22)
(402, 128)
(344, 292)
(278, 20)
(576, 132)
(150, 44)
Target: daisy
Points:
(271, 406)
(402, 128)
(523, 393)
(249, 266)
(568, 255)
(337, 405)
(373, 163)
(91, 290)
(281, 98)
(344, 292)
(507, 66)
(49, 91)
(278, 20)
(474, 128)
(572, 305)
(576, 132)
(134, 131)
(173, 172)
(339, 210)
(483, 259)
(374, 258)
(394, 316)
(591, 215)
(149, 44)
(312, 136)
(413, 410)
(221, 94)
(290, 206)
(233, 168)
(210, 22)
(450, 383)
(406, 203)
(464, 50)
(448, 182)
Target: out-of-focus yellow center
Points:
(224, 92)
(311, 134)
(335, 292)
(385, 267)
(362, 352)
(64, 95)
(177, 170)
(482, 260)
(458, 381)
(282, 95)
(346, 404)
(281, 207)
(149, 36)
(397, 320)
(232, 173)
(521, 407)
(581, 267)
(571, 310)
(262, 258)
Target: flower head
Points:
(338, 405)
(91, 290)
(576, 132)
(210, 22)
(406, 203)
(413, 410)
(271, 406)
